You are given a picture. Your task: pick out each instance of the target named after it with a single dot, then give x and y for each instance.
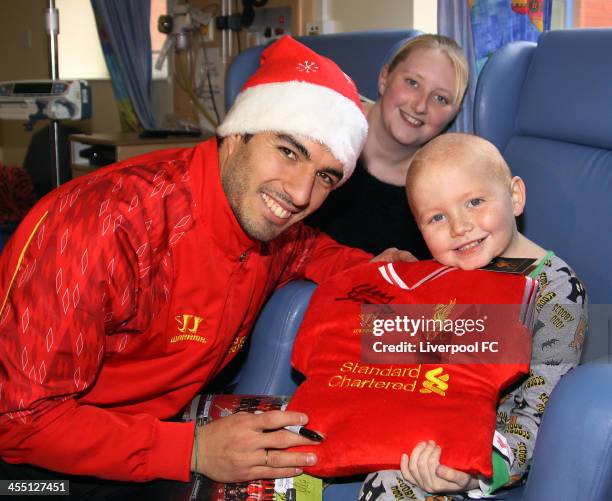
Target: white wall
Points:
(356, 15)
(425, 15)
(80, 53)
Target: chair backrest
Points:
(360, 54)
(548, 108)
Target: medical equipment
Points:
(185, 27)
(33, 100)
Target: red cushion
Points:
(370, 413)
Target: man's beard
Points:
(235, 181)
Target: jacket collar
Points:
(212, 204)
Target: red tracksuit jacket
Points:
(122, 294)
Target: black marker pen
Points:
(305, 432)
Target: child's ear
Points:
(382, 79)
(519, 195)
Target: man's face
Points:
(465, 212)
(275, 180)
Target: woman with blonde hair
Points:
(420, 92)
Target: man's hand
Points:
(245, 446)
(423, 469)
(394, 254)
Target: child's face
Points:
(466, 213)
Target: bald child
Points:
(465, 202)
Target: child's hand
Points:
(423, 469)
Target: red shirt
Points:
(124, 292)
(373, 398)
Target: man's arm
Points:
(70, 280)
(316, 256)
(87, 440)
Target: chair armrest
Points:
(267, 369)
(573, 454)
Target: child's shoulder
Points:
(555, 265)
(557, 277)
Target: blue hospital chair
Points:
(548, 108)
(359, 54)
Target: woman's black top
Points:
(371, 215)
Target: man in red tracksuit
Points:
(125, 291)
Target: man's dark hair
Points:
(245, 139)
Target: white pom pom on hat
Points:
(297, 91)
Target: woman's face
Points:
(417, 97)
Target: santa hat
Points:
(297, 91)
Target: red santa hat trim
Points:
(297, 91)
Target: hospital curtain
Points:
(123, 28)
(454, 22)
(483, 26)
(498, 22)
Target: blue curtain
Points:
(454, 22)
(123, 26)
